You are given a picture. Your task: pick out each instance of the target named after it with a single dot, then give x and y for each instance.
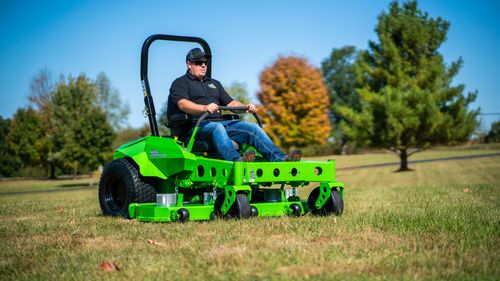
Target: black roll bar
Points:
(148, 98)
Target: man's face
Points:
(197, 68)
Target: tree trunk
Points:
(91, 180)
(52, 171)
(75, 170)
(403, 157)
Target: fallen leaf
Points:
(109, 266)
(152, 242)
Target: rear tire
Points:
(120, 185)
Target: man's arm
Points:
(251, 106)
(194, 108)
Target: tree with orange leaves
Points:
(294, 103)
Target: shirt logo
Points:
(212, 86)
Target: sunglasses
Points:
(198, 63)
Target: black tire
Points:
(338, 203)
(333, 205)
(183, 215)
(241, 207)
(254, 212)
(119, 186)
(296, 210)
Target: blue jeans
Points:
(221, 133)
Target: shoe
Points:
(293, 156)
(248, 156)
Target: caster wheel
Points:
(296, 210)
(333, 205)
(183, 215)
(240, 209)
(254, 212)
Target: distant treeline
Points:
(397, 95)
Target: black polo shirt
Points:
(203, 92)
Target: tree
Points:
(494, 133)
(74, 116)
(295, 103)
(340, 81)
(42, 87)
(405, 91)
(25, 138)
(8, 163)
(82, 133)
(238, 91)
(110, 102)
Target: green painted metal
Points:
(230, 196)
(273, 209)
(191, 140)
(150, 212)
(324, 194)
(186, 173)
(158, 157)
(176, 170)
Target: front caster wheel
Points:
(333, 205)
(240, 209)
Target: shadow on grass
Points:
(73, 185)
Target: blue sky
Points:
(74, 37)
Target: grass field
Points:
(438, 222)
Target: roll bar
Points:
(148, 98)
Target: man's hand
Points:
(251, 108)
(212, 108)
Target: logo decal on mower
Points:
(156, 154)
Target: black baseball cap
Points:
(197, 54)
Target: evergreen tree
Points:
(408, 102)
(340, 80)
(295, 103)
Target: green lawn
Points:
(26, 185)
(438, 222)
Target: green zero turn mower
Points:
(159, 178)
